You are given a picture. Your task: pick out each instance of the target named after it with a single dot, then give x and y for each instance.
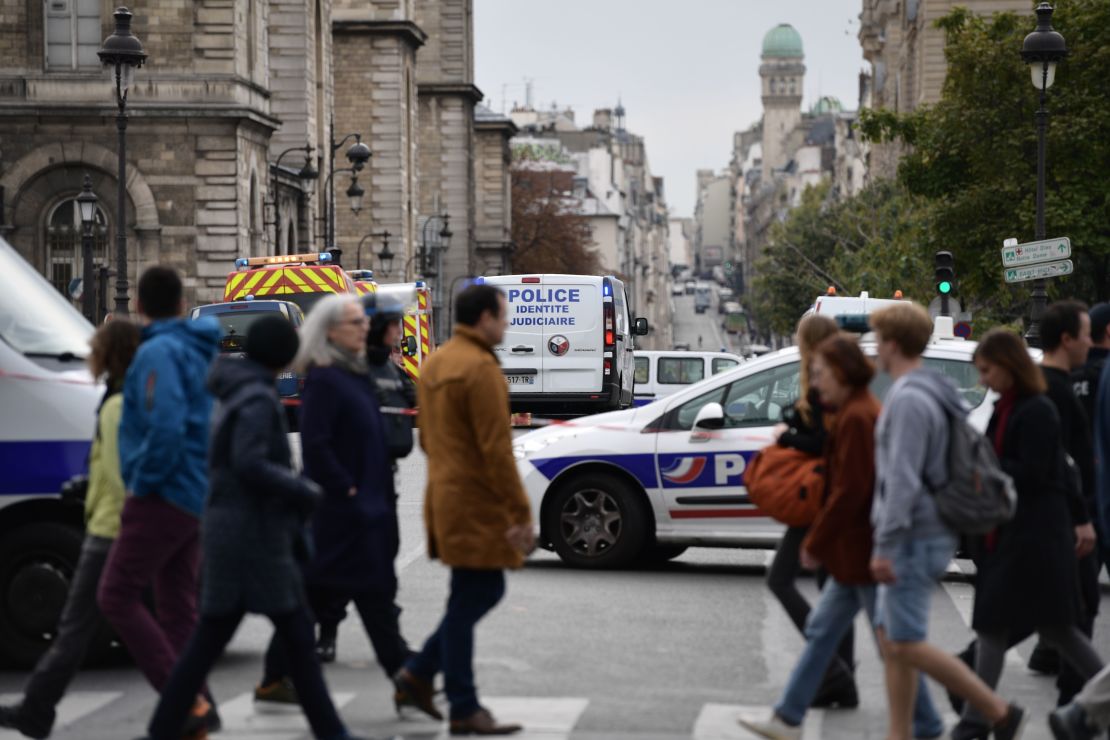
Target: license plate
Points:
(521, 379)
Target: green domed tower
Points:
(783, 74)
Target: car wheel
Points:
(598, 520)
(37, 562)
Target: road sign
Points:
(962, 329)
(1032, 253)
(954, 308)
(1035, 272)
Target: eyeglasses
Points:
(360, 321)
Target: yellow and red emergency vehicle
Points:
(413, 302)
(364, 281)
(302, 279)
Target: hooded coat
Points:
(253, 526)
(1030, 578)
(163, 434)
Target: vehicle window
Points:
(720, 364)
(643, 370)
(621, 310)
(683, 417)
(961, 372)
(35, 318)
(233, 326)
(760, 399)
(681, 370)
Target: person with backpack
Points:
(253, 534)
(804, 430)
(840, 538)
(112, 348)
(1026, 577)
(397, 393)
(912, 543)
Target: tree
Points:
(549, 233)
(972, 156)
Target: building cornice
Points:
(407, 31)
(137, 111)
(504, 125)
(450, 89)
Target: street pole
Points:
(88, 297)
(121, 310)
(1039, 293)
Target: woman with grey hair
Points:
(343, 443)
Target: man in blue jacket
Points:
(163, 443)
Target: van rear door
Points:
(521, 352)
(570, 311)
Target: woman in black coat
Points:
(355, 529)
(1026, 580)
(252, 534)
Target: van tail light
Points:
(609, 338)
(608, 367)
(610, 335)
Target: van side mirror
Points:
(640, 328)
(408, 346)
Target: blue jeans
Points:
(830, 619)
(451, 647)
(903, 606)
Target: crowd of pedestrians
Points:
(193, 494)
(881, 542)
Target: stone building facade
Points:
(230, 88)
(905, 48)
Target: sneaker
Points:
(1069, 722)
(1012, 725)
(14, 718)
(775, 728)
(280, 693)
(968, 730)
(325, 650)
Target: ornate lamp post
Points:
(385, 257)
(1042, 51)
(122, 53)
(358, 155)
(86, 203)
(308, 172)
(387, 267)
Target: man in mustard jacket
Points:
(476, 513)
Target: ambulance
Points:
(569, 345)
(48, 402)
(364, 281)
(299, 278)
(644, 484)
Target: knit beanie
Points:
(272, 342)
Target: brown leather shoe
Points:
(410, 691)
(482, 723)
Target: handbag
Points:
(786, 484)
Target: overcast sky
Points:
(688, 72)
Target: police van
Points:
(646, 483)
(569, 345)
(49, 404)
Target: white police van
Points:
(49, 404)
(660, 373)
(569, 344)
(646, 483)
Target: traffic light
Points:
(945, 273)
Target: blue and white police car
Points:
(646, 483)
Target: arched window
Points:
(63, 243)
(73, 34)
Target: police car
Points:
(646, 483)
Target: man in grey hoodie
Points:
(912, 545)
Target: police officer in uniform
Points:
(1086, 377)
(396, 392)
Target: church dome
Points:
(782, 41)
(826, 104)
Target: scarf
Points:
(1003, 407)
(352, 363)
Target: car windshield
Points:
(234, 325)
(35, 318)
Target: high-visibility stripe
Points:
(299, 285)
(310, 275)
(411, 368)
(340, 280)
(268, 286)
(233, 281)
(252, 281)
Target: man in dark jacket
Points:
(1086, 377)
(163, 445)
(1066, 339)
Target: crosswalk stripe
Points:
(74, 706)
(719, 722)
(243, 721)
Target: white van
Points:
(659, 374)
(832, 305)
(568, 348)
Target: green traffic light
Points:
(944, 287)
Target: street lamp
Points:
(429, 245)
(308, 172)
(1042, 51)
(386, 266)
(123, 53)
(386, 256)
(86, 203)
(358, 155)
(355, 193)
